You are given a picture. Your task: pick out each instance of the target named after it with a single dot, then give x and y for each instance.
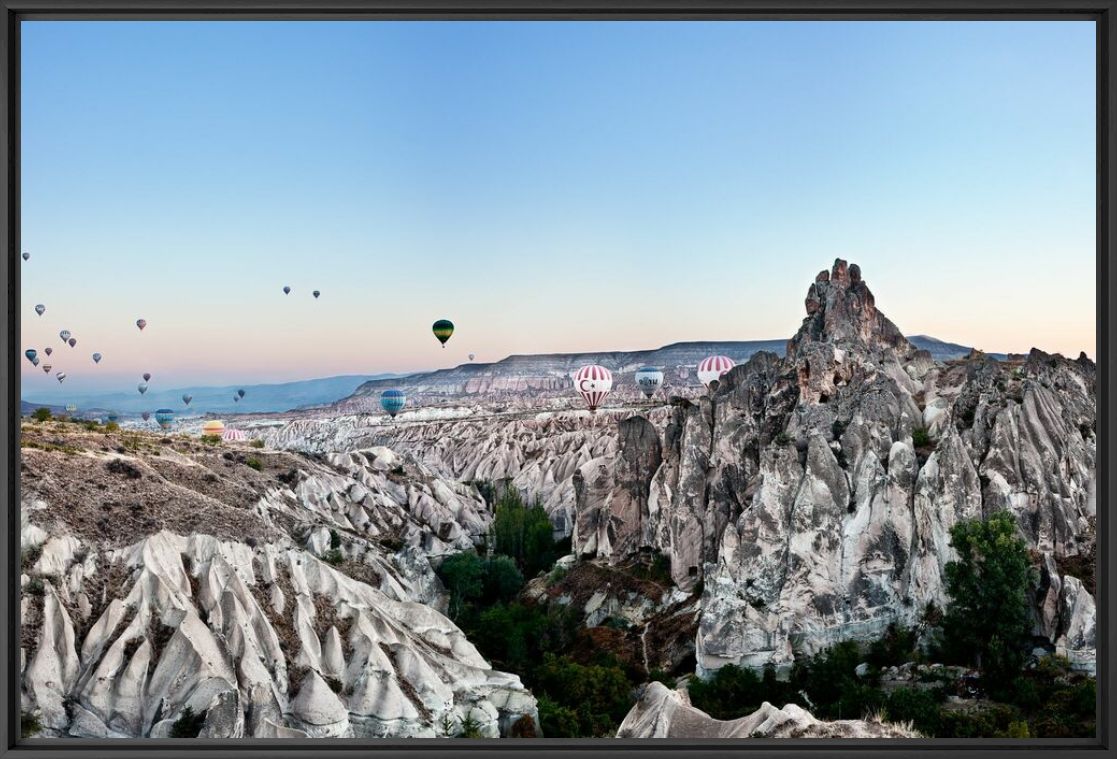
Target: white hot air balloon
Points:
(648, 379)
(593, 383)
(713, 368)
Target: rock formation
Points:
(665, 713)
(812, 496)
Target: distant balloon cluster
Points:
(592, 382)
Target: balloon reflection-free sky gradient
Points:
(547, 186)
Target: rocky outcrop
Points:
(249, 637)
(311, 612)
(813, 496)
(664, 713)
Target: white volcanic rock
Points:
(195, 615)
(813, 496)
(664, 713)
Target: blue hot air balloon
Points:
(164, 417)
(32, 356)
(393, 401)
(648, 379)
(113, 417)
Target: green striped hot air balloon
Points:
(442, 329)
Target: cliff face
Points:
(813, 495)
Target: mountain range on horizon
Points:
(517, 371)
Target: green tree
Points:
(524, 533)
(41, 415)
(463, 575)
(502, 580)
(988, 620)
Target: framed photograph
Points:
(698, 379)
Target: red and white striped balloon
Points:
(714, 368)
(594, 383)
(233, 435)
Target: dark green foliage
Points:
(517, 635)
(920, 438)
(783, 439)
(524, 533)
(35, 587)
(897, 646)
(463, 576)
(188, 725)
(41, 415)
(599, 697)
(29, 724)
(657, 569)
(333, 556)
(335, 539)
(989, 619)
(987, 720)
(920, 707)
(558, 721)
(486, 490)
(831, 683)
(501, 580)
(112, 427)
(257, 443)
(736, 691)
(254, 463)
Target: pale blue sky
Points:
(547, 186)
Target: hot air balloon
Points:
(442, 329)
(96, 358)
(71, 408)
(26, 255)
(46, 368)
(236, 399)
(594, 383)
(147, 376)
(472, 356)
(235, 436)
(61, 376)
(141, 323)
(213, 427)
(146, 415)
(48, 350)
(317, 293)
(713, 368)
(648, 379)
(187, 398)
(112, 417)
(164, 417)
(40, 309)
(286, 290)
(240, 393)
(72, 341)
(393, 401)
(142, 387)
(64, 334)
(32, 356)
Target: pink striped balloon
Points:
(234, 435)
(714, 368)
(594, 383)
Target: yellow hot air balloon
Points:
(213, 427)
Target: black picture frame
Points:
(1102, 12)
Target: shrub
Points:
(29, 555)
(333, 556)
(257, 443)
(112, 427)
(600, 696)
(920, 707)
(29, 723)
(254, 463)
(470, 728)
(35, 587)
(41, 415)
(211, 439)
(557, 721)
(335, 539)
(783, 439)
(123, 468)
(188, 725)
(897, 646)
(463, 575)
(920, 438)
